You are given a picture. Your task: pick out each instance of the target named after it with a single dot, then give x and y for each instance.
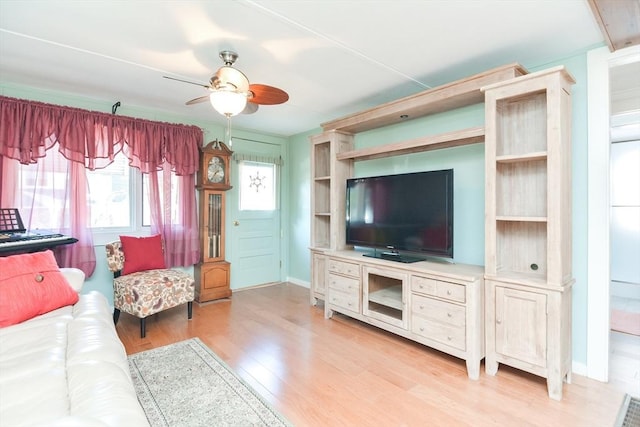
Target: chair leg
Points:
(189, 309)
(143, 329)
(116, 316)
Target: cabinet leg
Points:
(314, 300)
(328, 313)
(473, 369)
(490, 366)
(554, 387)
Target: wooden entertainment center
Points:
(435, 304)
(525, 321)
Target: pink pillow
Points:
(30, 285)
(142, 253)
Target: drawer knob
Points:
(448, 314)
(422, 307)
(498, 321)
(421, 329)
(421, 286)
(448, 292)
(449, 338)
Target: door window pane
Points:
(257, 186)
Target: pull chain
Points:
(229, 142)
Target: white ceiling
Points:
(333, 57)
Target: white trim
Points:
(598, 266)
(298, 282)
(578, 368)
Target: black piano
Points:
(14, 238)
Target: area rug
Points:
(187, 384)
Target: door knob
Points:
(236, 223)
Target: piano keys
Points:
(33, 241)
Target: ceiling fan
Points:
(231, 93)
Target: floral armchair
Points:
(143, 293)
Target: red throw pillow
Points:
(30, 285)
(142, 253)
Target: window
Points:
(110, 189)
(257, 186)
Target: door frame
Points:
(599, 61)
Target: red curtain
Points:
(28, 129)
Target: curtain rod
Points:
(254, 140)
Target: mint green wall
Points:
(468, 165)
(300, 206)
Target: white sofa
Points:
(67, 368)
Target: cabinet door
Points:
(521, 325)
(319, 283)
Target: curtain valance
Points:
(257, 158)
(29, 128)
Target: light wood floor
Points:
(341, 372)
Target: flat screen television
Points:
(410, 212)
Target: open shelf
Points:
(522, 247)
(417, 145)
(389, 297)
(322, 200)
(521, 189)
(322, 156)
(522, 124)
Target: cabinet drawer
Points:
(447, 290)
(344, 284)
(449, 335)
(423, 285)
(346, 268)
(444, 312)
(349, 302)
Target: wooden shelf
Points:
(389, 297)
(425, 143)
(530, 157)
(460, 93)
(521, 218)
(322, 178)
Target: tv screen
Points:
(406, 212)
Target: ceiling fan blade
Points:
(198, 100)
(267, 95)
(187, 81)
(250, 108)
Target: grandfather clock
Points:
(212, 274)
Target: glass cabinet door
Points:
(213, 226)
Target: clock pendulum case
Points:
(212, 274)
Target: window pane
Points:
(109, 191)
(257, 186)
(42, 193)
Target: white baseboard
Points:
(579, 368)
(299, 282)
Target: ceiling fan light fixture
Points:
(230, 78)
(228, 102)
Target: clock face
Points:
(215, 170)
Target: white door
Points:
(254, 217)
